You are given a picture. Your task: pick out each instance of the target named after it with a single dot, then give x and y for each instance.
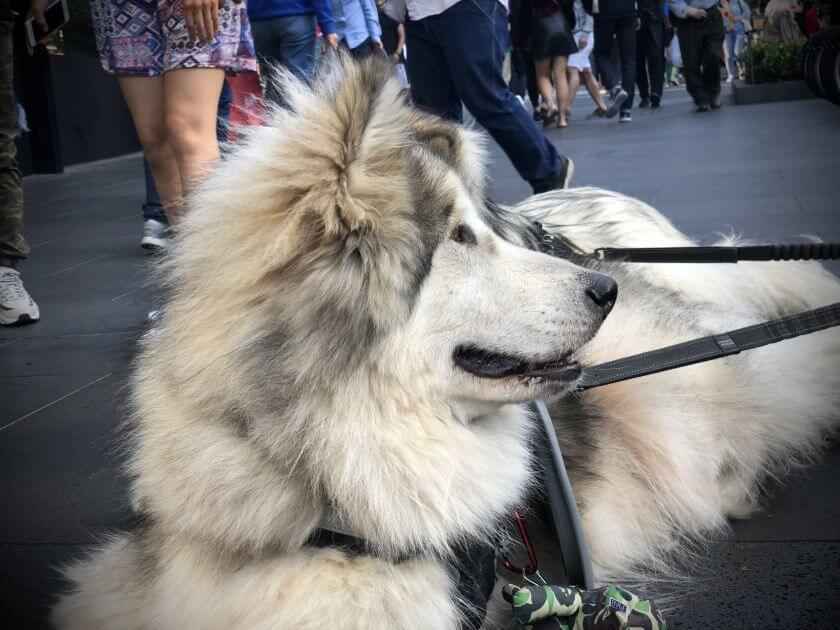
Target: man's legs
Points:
(641, 61)
(691, 49)
(13, 246)
(625, 33)
(712, 53)
(428, 74)
(656, 60)
(603, 32)
(16, 306)
(297, 45)
(472, 38)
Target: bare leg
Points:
(145, 100)
(573, 76)
(543, 70)
(562, 86)
(192, 98)
(593, 88)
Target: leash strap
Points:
(711, 347)
(800, 251)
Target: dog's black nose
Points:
(602, 290)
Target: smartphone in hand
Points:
(56, 15)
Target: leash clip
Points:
(531, 567)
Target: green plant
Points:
(770, 63)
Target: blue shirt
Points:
(678, 7)
(265, 9)
(356, 20)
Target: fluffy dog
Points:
(350, 334)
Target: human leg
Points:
(191, 106)
(594, 88)
(573, 78)
(604, 33)
(691, 51)
(428, 73)
(473, 37)
(297, 45)
(729, 52)
(542, 69)
(641, 62)
(712, 53)
(625, 34)
(656, 61)
(738, 49)
(13, 247)
(561, 85)
(144, 98)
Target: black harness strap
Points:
(711, 347)
(800, 251)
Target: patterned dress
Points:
(146, 38)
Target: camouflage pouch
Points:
(607, 608)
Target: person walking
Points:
(16, 305)
(650, 52)
(547, 29)
(357, 25)
(170, 59)
(616, 20)
(579, 63)
(456, 51)
(736, 21)
(285, 34)
(700, 28)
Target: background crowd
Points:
(170, 58)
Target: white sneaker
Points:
(154, 234)
(16, 305)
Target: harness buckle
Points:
(531, 567)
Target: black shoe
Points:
(644, 102)
(538, 114)
(715, 102)
(617, 97)
(598, 113)
(561, 179)
(655, 99)
(550, 117)
(701, 106)
(625, 117)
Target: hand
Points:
(202, 19)
(582, 42)
(331, 41)
(36, 12)
(395, 57)
(694, 12)
(378, 46)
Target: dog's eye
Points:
(464, 235)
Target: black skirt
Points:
(552, 37)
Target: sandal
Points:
(550, 116)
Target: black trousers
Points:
(650, 57)
(701, 46)
(624, 31)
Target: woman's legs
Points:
(562, 86)
(542, 67)
(729, 55)
(573, 76)
(594, 88)
(192, 99)
(738, 49)
(144, 97)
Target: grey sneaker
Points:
(625, 117)
(617, 97)
(16, 305)
(155, 234)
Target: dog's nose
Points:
(602, 290)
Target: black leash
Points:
(799, 251)
(711, 347)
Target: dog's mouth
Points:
(486, 364)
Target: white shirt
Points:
(419, 9)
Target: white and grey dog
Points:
(351, 334)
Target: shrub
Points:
(770, 63)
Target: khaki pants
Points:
(13, 246)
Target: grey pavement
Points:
(771, 172)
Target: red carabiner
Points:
(531, 567)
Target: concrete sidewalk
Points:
(771, 172)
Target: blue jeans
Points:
(153, 208)
(624, 31)
(457, 56)
(287, 41)
(734, 47)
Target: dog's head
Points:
(344, 297)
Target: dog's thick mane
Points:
(245, 429)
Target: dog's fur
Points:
(318, 288)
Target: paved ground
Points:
(770, 171)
